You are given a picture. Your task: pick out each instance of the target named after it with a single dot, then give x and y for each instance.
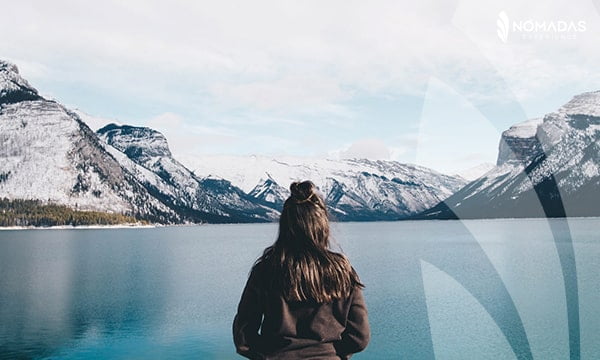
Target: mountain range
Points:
(355, 189)
(546, 167)
(49, 153)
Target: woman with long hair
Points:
(302, 301)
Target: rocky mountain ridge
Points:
(355, 189)
(557, 174)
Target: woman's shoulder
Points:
(261, 273)
(263, 261)
(258, 268)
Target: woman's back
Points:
(297, 329)
(302, 300)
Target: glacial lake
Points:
(476, 289)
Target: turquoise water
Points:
(479, 289)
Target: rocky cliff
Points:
(563, 179)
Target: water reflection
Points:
(60, 286)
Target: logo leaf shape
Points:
(503, 26)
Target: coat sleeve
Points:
(357, 334)
(248, 320)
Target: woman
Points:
(305, 299)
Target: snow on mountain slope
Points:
(139, 143)
(269, 191)
(586, 103)
(48, 153)
(145, 152)
(526, 129)
(354, 189)
(560, 180)
(37, 144)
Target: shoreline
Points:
(149, 226)
(81, 227)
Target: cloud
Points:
(226, 76)
(298, 54)
(290, 91)
(167, 120)
(187, 137)
(175, 123)
(534, 67)
(370, 148)
(31, 69)
(259, 120)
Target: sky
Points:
(425, 82)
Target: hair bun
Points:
(302, 191)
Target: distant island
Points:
(55, 170)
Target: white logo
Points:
(538, 29)
(503, 26)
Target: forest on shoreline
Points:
(35, 213)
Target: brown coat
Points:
(298, 330)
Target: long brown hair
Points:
(300, 261)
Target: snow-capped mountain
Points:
(48, 153)
(556, 174)
(145, 152)
(354, 189)
(13, 88)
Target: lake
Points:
(476, 289)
